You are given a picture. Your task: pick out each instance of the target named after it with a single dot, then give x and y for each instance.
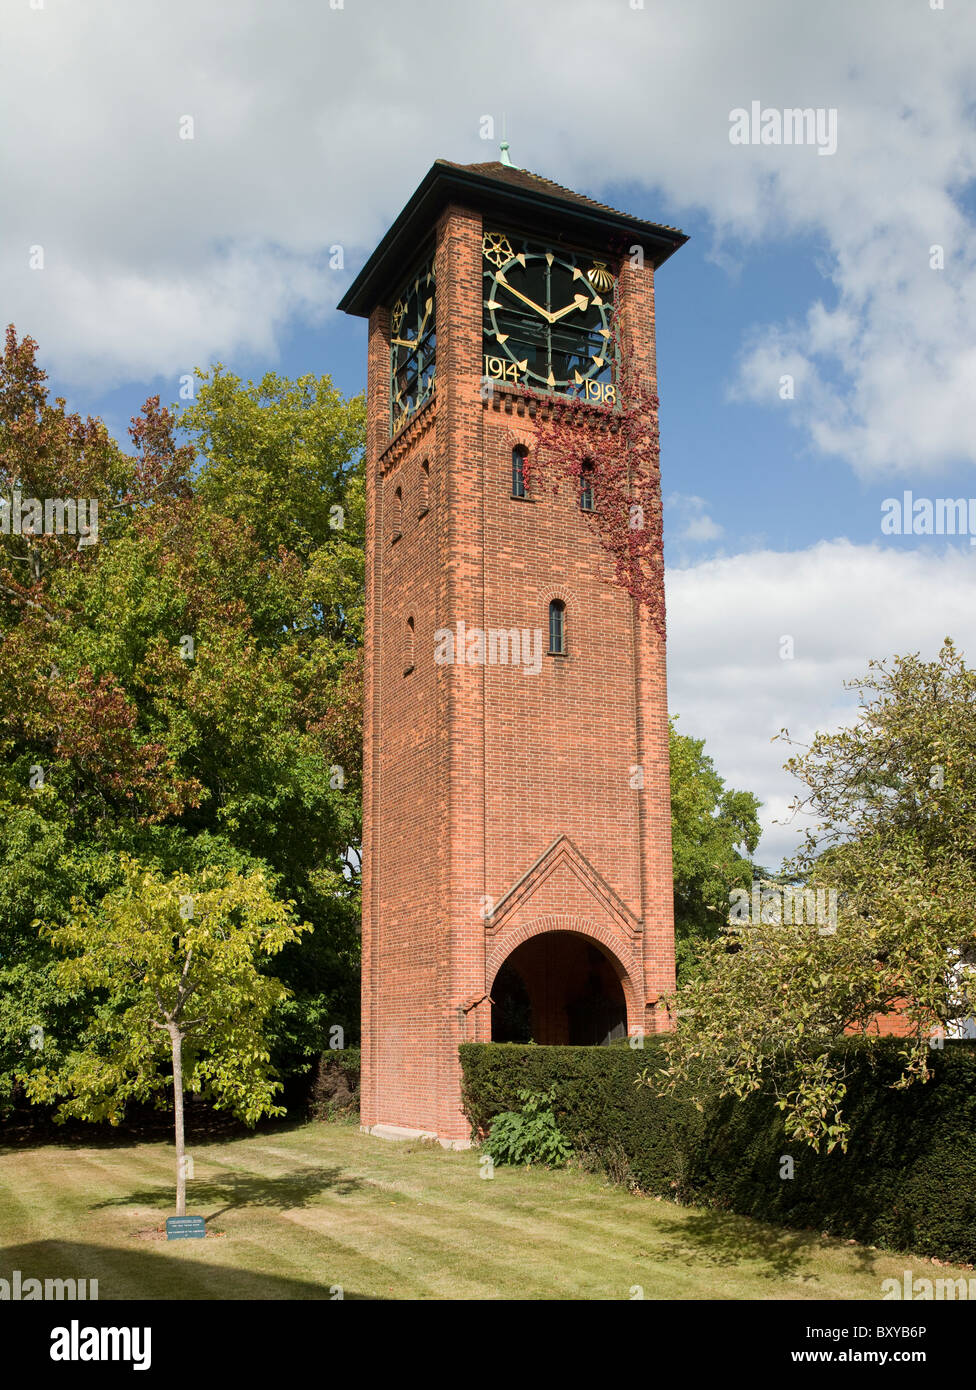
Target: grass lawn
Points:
(308, 1207)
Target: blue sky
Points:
(312, 124)
(760, 480)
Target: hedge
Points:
(907, 1181)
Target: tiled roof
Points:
(535, 183)
(491, 184)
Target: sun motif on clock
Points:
(547, 317)
(413, 346)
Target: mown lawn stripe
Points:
(309, 1207)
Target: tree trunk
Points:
(176, 1039)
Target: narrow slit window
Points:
(518, 472)
(397, 514)
(557, 628)
(408, 649)
(424, 489)
(586, 487)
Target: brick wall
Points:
(473, 772)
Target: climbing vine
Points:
(614, 449)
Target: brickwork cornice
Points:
(402, 444)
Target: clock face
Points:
(547, 318)
(413, 347)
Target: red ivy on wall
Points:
(617, 447)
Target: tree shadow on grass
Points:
(136, 1274)
(233, 1190)
(143, 1124)
(707, 1236)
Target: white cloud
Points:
(841, 604)
(313, 125)
(132, 324)
(694, 523)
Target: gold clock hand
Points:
(579, 302)
(524, 297)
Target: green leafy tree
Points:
(282, 461)
(182, 1003)
(891, 855)
(187, 690)
(713, 828)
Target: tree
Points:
(187, 689)
(282, 461)
(182, 1002)
(75, 768)
(710, 827)
(891, 866)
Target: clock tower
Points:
(516, 803)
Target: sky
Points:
(188, 169)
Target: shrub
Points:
(907, 1182)
(601, 1109)
(529, 1135)
(335, 1085)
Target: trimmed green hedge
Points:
(907, 1182)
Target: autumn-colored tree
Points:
(185, 688)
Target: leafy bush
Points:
(600, 1107)
(529, 1135)
(907, 1182)
(335, 1085)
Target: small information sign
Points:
(185, 1228)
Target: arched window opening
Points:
(408, 644)
(424, 489)
(518, 471)
(397, 514)
(557, 628)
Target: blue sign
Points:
(185, 1228)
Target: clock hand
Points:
(580, 302)
(524, 297)
(412, 342)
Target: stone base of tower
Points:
(401, 1132)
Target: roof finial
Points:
(504, 147)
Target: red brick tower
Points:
(516, 865)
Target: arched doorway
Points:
(558, 987)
